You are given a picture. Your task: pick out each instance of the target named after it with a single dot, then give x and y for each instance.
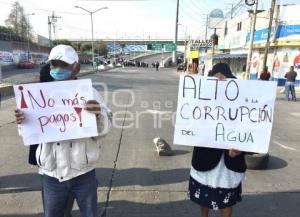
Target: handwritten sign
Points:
(225, 113)
(54, 111)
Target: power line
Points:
(195, 20)
(46, 10)
(196, 6)
(194, 17)
(191, 9)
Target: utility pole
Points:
(162, 55)
(206, 27)
(51, 21)
(269, 33)
(213, 47)
(49, 30)
(176, 33)
(231, 11)
(185, 43)
(249, 56)
(54, 20)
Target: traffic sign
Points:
(170, 47)
(155, 46)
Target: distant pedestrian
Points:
(157, 66)
(290, 84)
(265, 75)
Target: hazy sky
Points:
(123, 19)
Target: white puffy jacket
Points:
(67, 159)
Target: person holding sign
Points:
(68, 166)
(216, 174)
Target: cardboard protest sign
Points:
(225, 114)
(54, 111)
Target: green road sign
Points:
(155, 46)
(170, 47)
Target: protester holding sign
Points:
(69, 165)
(46, 77)
(216, 174)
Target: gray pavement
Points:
(15, 75)
(133, 180)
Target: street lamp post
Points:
(176, 33)
(250, 51)
(28, 45)
(136, 37)
(185, 41)
(92, 26)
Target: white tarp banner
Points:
(54, 111)
(225, 113)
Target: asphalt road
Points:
(12, 75)
(133, 180)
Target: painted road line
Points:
(284, 146)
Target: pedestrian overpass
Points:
(129, 45)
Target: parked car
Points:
(25, 65)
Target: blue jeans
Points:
(290, 87)
(83, 187)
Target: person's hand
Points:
(19, 116)
(93, 106)
(234, 152)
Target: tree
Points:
(76, 45)
(61, 41)
(18, 21)
(7, 34)
(100, 48)
(86, 48)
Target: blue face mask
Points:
(60, 74)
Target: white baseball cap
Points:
(64, 53)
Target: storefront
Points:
(283, 59)
(236, 62)
(193, 61)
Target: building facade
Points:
(234, 40)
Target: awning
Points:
(230, 56)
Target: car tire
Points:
(257, 161)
